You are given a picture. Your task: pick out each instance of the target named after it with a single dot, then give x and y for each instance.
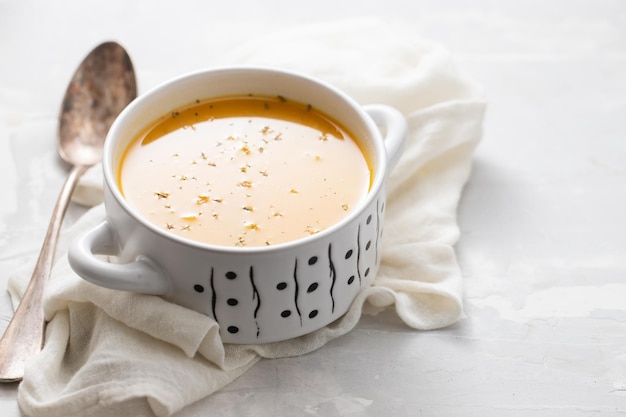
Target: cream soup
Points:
(244, 171)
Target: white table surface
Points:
(543, 246)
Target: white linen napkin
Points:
(115, 353)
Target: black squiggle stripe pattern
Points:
(255, 295)
(358, 253)
(297, 290)
(333, 276)
(213, 296)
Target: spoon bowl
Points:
(102, 86)
(99, 90)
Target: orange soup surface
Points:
(244, 171)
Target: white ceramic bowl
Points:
(256, 294)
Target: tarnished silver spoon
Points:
(101, 87)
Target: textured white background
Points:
(543, 232)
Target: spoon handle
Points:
(23, 338)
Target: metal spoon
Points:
(101, 87)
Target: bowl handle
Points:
(141, 276)
(394, 127)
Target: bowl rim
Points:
(138, 105)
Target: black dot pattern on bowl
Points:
(306, 289)
(198, 288)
